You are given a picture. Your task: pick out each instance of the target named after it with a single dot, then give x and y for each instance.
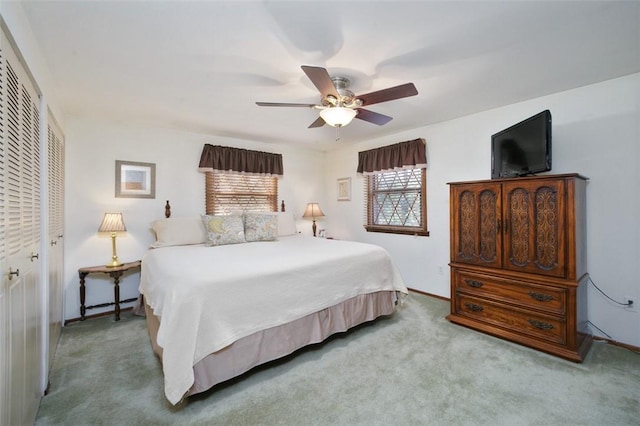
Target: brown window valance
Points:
(403, 155)
(227, 159)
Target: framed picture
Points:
(344, 189)
(135, 180)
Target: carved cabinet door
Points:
(534, 226)
(476, 236)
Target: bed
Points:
(217, 309)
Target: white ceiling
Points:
(200, 66)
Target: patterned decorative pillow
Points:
(260, 227)
(223, 230)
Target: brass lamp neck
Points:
(114, 258)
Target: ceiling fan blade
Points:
(373, 117)
(384, 95)
(318, 123)
(321, 79)
(280, 104)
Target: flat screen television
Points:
(522, 149)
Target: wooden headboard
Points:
(167, 208)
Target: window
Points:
(238, 179)
(231, 192)
(395, 188)
(397, 202)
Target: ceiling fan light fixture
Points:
(338, 116)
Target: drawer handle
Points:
(474, 283)
(541, 325)
(541, 297)
(473, 307)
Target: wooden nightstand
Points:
(115, 273)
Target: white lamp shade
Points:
(112, 222)
(313, 210)
(338, 116)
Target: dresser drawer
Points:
(522, 321)
(538, 297)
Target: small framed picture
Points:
(135, 180)
(322, 233)
(344, 189)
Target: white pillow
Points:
(286, 224)
(178, 231)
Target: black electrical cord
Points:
(605, 295)
(599, 329)
(611, 341)
(614, 301)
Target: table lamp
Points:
(313, 211)
(112, 222)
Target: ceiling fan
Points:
(339, 105)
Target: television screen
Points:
(522, 149)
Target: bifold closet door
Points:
(20, 216)
(55, 167)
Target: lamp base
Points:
(114, 258)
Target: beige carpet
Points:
(413, 368)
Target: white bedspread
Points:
(209, 297)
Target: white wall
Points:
(596, 133)
(93, 146)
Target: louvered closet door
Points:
(55, 167)
(21, 227)
(4, 353)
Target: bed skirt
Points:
(276, 342)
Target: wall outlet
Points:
(634, 304)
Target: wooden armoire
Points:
(518, 261)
